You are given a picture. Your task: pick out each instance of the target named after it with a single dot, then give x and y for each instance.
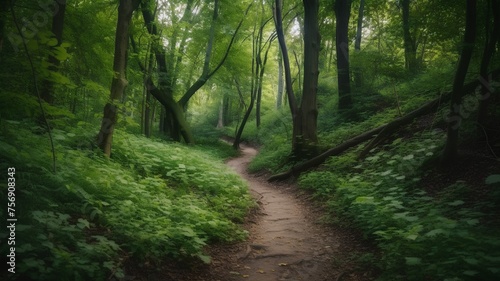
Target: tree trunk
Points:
(409, 42)
(164, 93)
(239, 132)
(358, 76)
(46, 92)
(204, 77)
(4, 8)
(450, 152)
(119, 82)
(279, 98)
(489, 49)
(386, 129)
(220, 120)
(305, 135)
(343, 12)
(147, 115)
(286, 61)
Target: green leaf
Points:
(435, 232)
(83, 223)
(472, 261)
(456, 203)
(206, 259)
(470, 272)
(388, 172)
(364, 200)
(492, 179)
(408, 157)
(472, 221)
(413, 260)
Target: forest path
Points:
(286, 242)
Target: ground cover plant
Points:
(151, 200)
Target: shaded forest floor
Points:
(287, 241)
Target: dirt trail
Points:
(286, 242)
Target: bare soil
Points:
(287, 241)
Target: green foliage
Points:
(421, 237)
(151, 200)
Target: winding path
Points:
(286, 242)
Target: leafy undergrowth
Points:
(152, 200)
(422, 236)
(428, 224)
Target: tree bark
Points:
(4, 8)
(204, 77)
(387, 129)
(489, 49)
(450, 151)
(409, 42)
(119, 82)
(305, 134)
(220, 119)
(163, 93)
(279, 98)
(286, 60)
(358, 76)
(239, 132)
(46, 92)
(343, 12)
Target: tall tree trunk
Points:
(288, 76)
(489, 48)
(119, 82)
(239, 133)
(4, 8)
(409, 41)
(46, 91)
(164, 93)
(450, 152)
(147, 122)
(343, 12)
(227, 106)
(204, 77)
(220, 119)
(286, 60)
(358, 75)
(305, 135)
(279, 98)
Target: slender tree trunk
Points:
(286, 65)
(4, 9)
(409, 42)
(220, 120)
(164, 93)
(489, 49)
(305, 134)
(286, 60)
(148, 116)
(204, 77)
(450, 152)
(46, 91)
(343, 12)
(279, 98)
(358, 75)
(119, 82)
(260, 66)
(227, 106)
(239, 132)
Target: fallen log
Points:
(388, 128)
